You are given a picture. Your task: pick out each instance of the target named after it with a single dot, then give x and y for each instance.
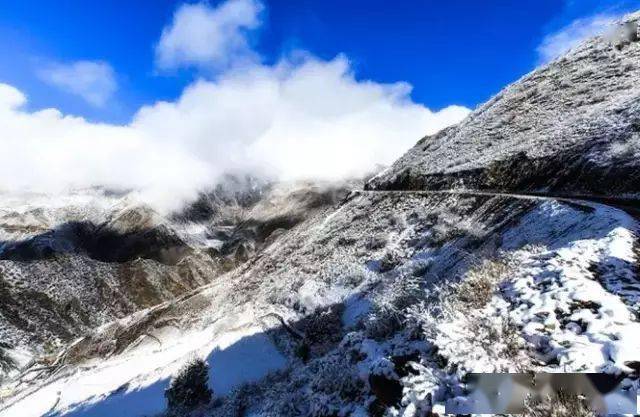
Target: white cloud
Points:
(46, 151)
(207, 37)
(570, 36)
(300, 118)
(94, 81)
(11, 97)
(309, 119)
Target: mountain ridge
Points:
(576, 117)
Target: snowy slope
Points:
(73, 262)
(572, 126)
(69, 263)
(562, 292)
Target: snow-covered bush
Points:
(422, 389)
(480, 283)
(286, 292)
(468, 322)
(625, 150)
(449, 226)
(375, 242)
(347, 274)
(487, 344)
(390, 304)
(323, 326)
(290, 402)
(189, 388)
(335, 382)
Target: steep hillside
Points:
(387, 302)
(570, 127)
(70, 264)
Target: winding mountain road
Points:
(626, 204)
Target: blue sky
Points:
(454, 52)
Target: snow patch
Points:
(115, 387)
(242, 357)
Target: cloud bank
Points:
(292, 121)
(94, 81)
(301, 118)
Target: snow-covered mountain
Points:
(571, 127)
(69, 264)
(502, 244)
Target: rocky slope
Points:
(570, 127)
(382, 302)
(68, 265)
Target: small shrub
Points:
(323, 326)
(382, 322)
(481, 283)
(561, 405)
(376, 242)
(335, 376)
(389, 312)
(464, 326)
(498, 338)
(389, 261)
(189, 388)
(50, 347)
(346, 274)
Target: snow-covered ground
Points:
(565, 298)
(571, 291)
(133, 383)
